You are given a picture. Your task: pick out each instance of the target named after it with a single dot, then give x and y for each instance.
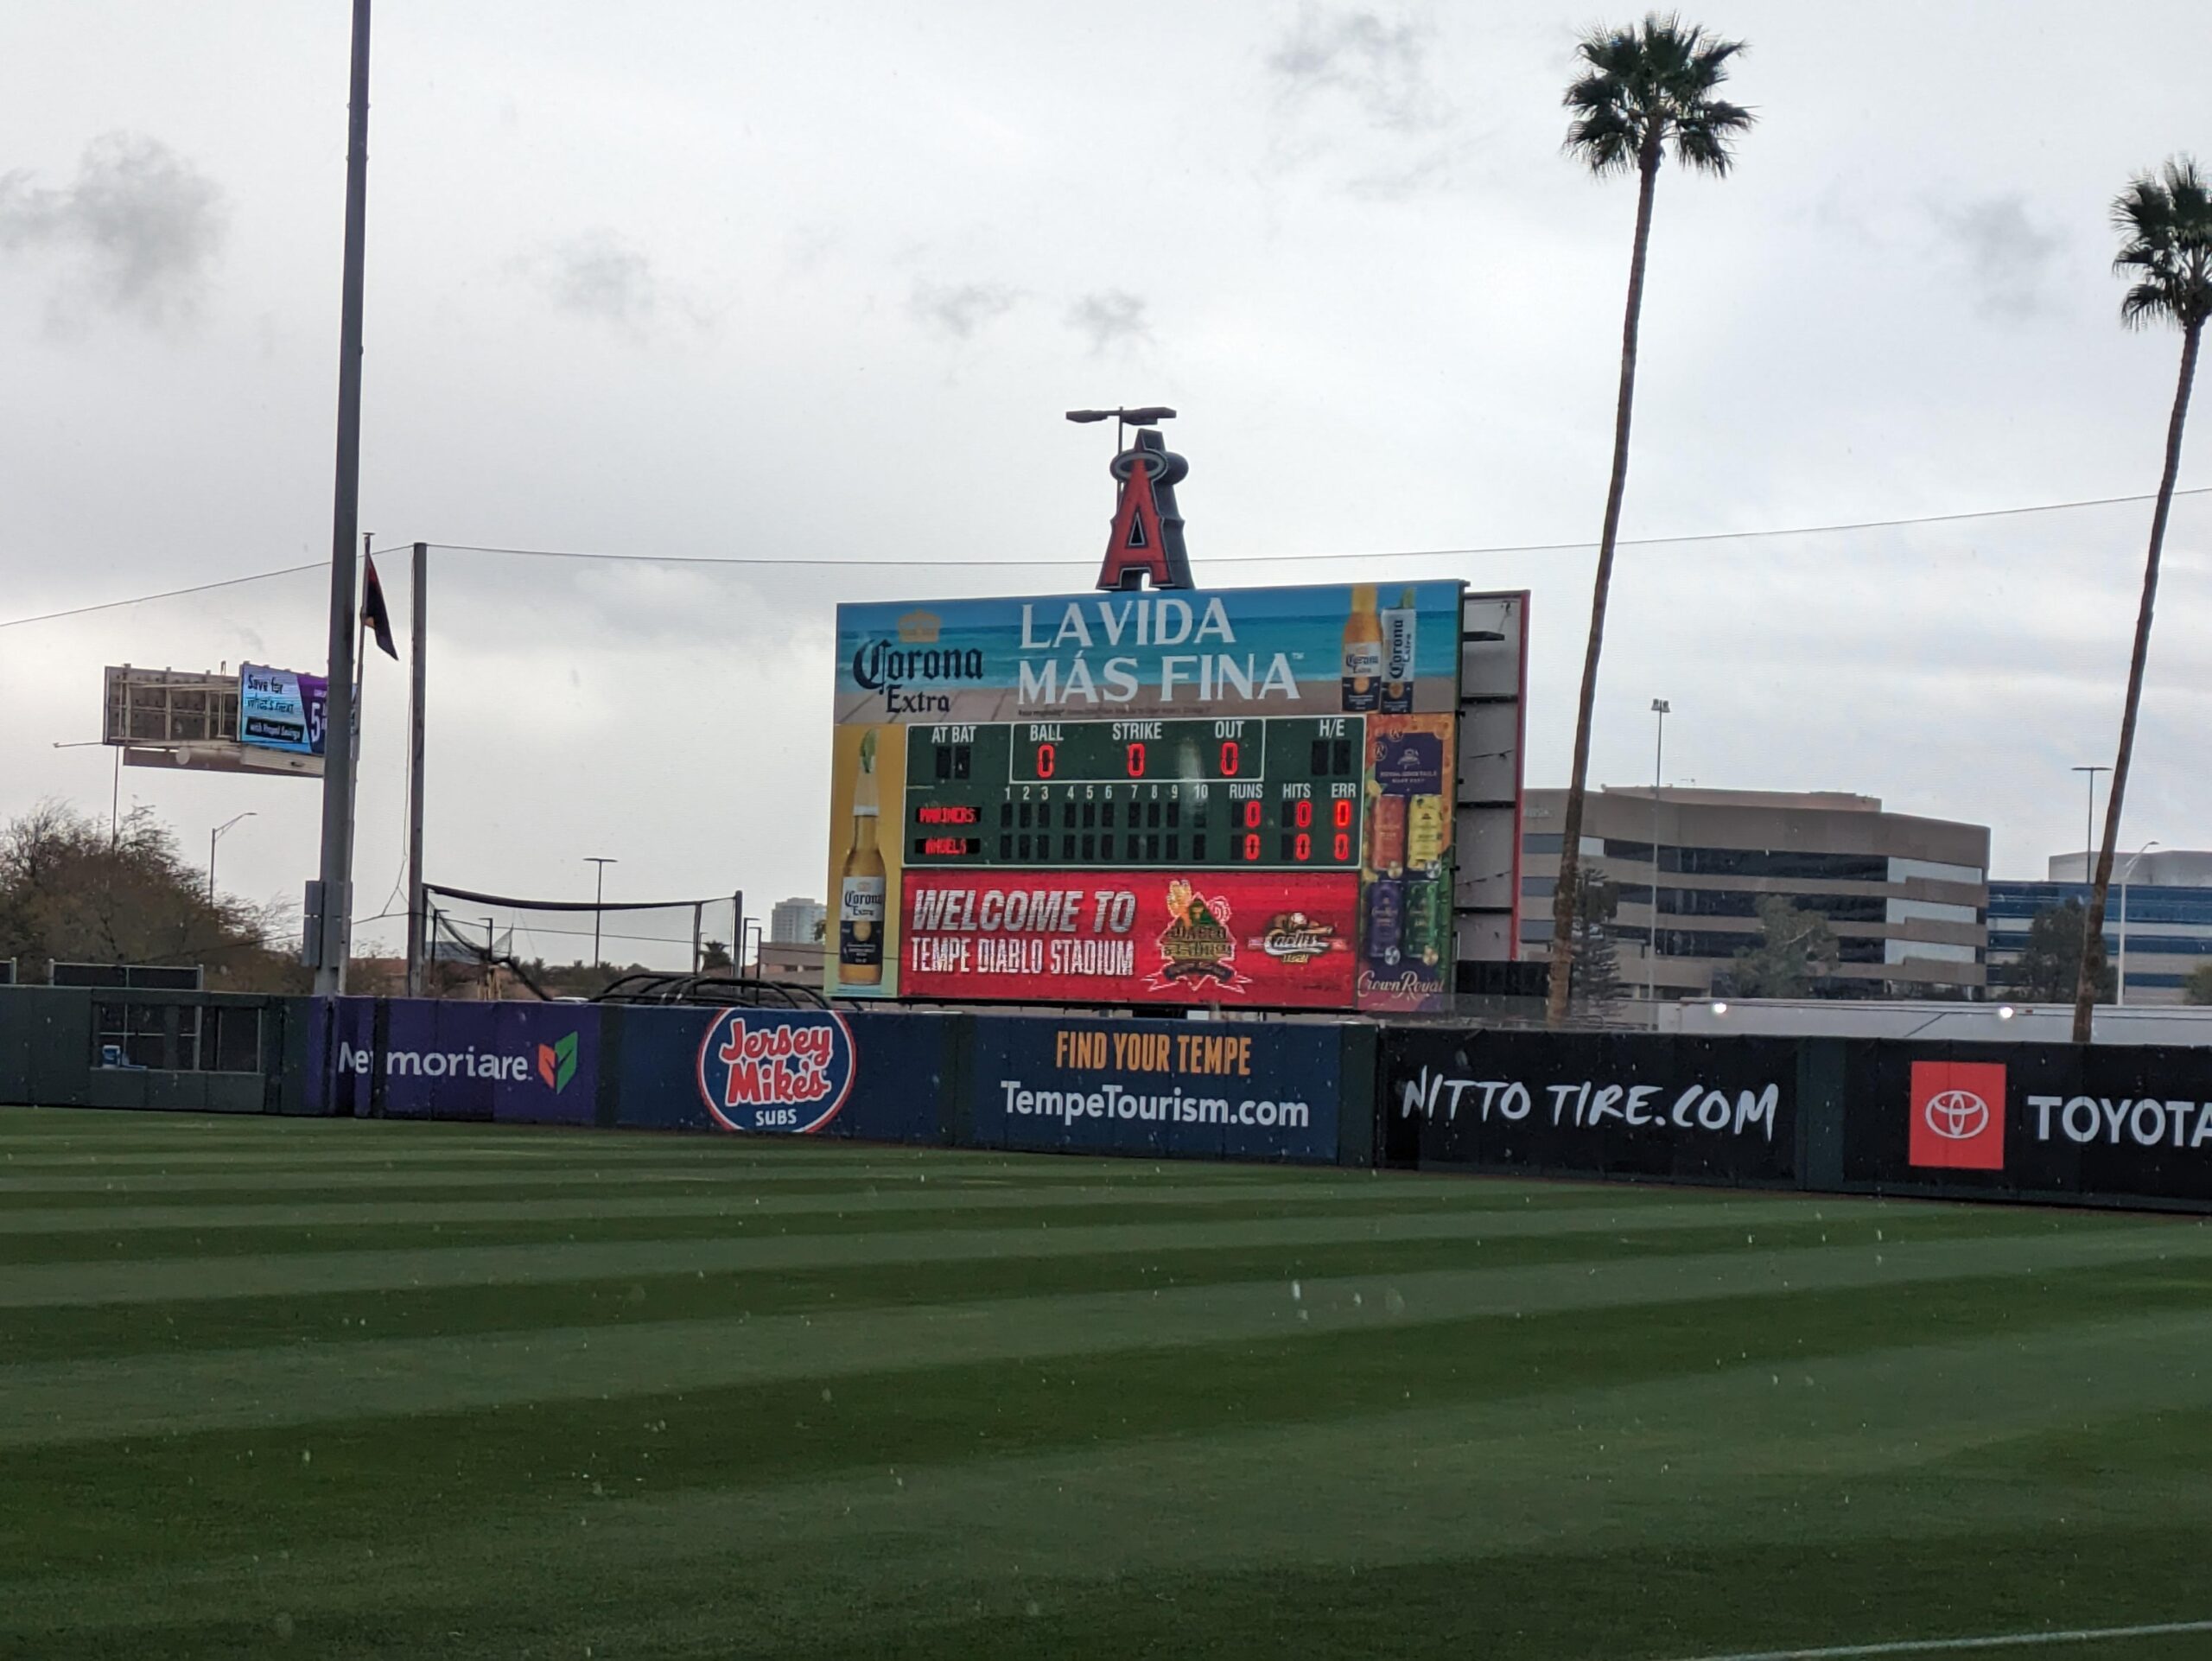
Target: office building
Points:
(1904, 895)
(795, 921)
(2160, 904)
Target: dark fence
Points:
(2116, 1125)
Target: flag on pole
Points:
(375, 615)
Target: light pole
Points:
(598, 899)
(2089, 827)
(2119, 987)
(1661, 709)
(216, 836)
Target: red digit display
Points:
(1302, 850)
(1136, 760)
(1047, 756)
(1231, 759)
(1252, 815)
(1342, 851)
(1251, 847)
(1302, 814)
(1343, 813)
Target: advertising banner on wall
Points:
(2111, 1122)
(281, 709)
(1119, 936)
(1284, 737)
(1171, 1089)
(423, 1058)
(1597, 1104)
(875, 1077)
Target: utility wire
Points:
(803, 562)
(179, 594)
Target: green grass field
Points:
(420, 1390)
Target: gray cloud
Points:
(599, 276)
(1381, 65)
(1110, 317)
(2009, 256)
(961, 311)
(140, 223)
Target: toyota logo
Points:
(1956, 1115)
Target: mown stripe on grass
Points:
(58, 1332)
(73, 1401)
(84, 1279)
(1856, 1460)
(618, 1201)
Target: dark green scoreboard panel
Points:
(1265, 792)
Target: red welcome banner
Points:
(1260, 939)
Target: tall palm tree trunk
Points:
(2093, 929)
(1570, 847)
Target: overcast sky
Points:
(690, 279)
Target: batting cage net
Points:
(577, 948)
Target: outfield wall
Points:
(2120, 1125)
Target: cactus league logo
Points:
(781, 1072)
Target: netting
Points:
(548, 939)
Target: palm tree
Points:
(1641, 89)
(2165, 220)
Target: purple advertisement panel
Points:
(422, 1058)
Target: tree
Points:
(2048, 969)
(2165, 220)
(74, 891)
(1596, 971)
(1796, 948)
(1641, 89)
(2196, 985)
(715, 954)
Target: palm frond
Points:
(2165, 220)
(1645, 86)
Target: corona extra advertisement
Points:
(1237, 796)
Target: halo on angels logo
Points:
(776, 1071)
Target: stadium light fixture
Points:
(1719, 1007)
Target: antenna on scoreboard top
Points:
(1146, 539)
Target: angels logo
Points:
(1196, 948)
(1292, 937)
(781, 1070)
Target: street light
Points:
(216, 836)
(599, 899)
(1661, 709)
(1145, 415)
(2088, 826)
(2120, 988)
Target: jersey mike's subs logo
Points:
(784, 1071)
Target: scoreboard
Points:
(1264, 793)
(1232, 798)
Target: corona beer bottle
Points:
(860, 886)
(1399, 636)
(1362, 665)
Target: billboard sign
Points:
(1173, 1089)
(1706, 1110)
(1291, 752)
(2130, 1122)
(282, 708)
(424, 1058)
